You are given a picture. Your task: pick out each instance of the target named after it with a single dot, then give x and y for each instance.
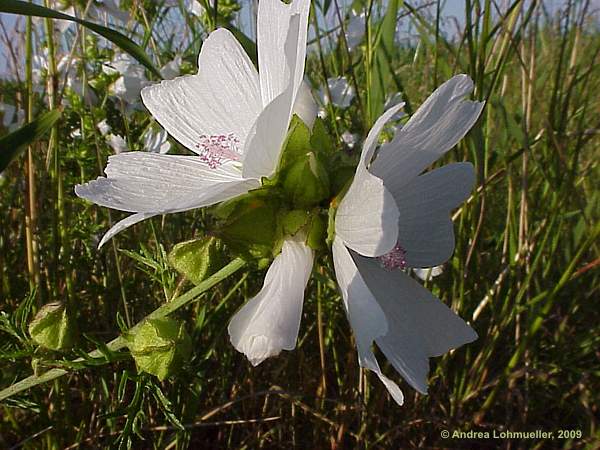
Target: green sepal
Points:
(306, 182)
(160, 346)
(343, 168)
(293, 221)
(317, 232)
(249, 223)
(320, 139)
(199, 258)
(296, 145)
(53, 328)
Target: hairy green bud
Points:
(199, 258)
(160, 346)
(52, 327)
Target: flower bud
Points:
(198, 259)
(160, 346)
(249, 223)
(52, 327)
(306, 182)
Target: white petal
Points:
(435, 128)
(273, 26)
(154, 183)
(426, 232)
(224, 96)
(122, 224)
(263, 146)
(367, 217)
(364, 313)
(269, 322)
(419, 325)
(305, 105)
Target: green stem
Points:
(120, 342)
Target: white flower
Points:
(155, 140)
(355, 29)
(117, 143)
(407, 225)
(375, 225)
(197, 9)
(132, 78)
(105, 9)
(341, 91)
(8, 113)
(234, 118)
(270, 321)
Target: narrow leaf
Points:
(12, 143)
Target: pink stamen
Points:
(216, 149)
(395, 259)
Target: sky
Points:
(450, 8)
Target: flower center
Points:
(216, 149)
(395, 259)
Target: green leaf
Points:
(13, 143)
(120, 40)
(198, 259)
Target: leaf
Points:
(12, 143)
(120, 40)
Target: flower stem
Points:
(30, 201)
(120, 342)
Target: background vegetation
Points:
(524, 273)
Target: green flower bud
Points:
(160, 346)
(293, 221)
(52, 327)
(250, 223)
(296, 145)
(198, 259)
(306, 182)
(317, 232)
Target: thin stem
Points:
(120, 342)
(31, 212)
